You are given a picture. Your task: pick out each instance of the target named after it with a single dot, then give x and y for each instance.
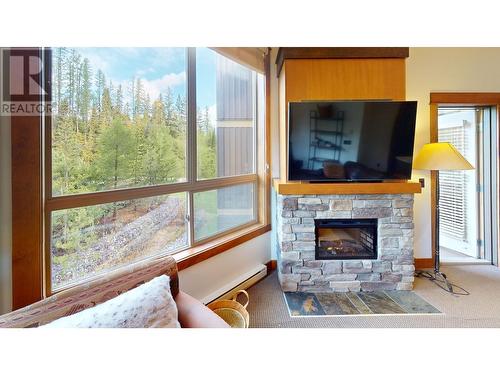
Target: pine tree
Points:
(78, 90)
(147, 109)
(70, 77)
(132, 106)
(160, 163)
(199, 120)
(58, 75)
(139, 99)
(169, 104)
(180, 118)
(206, 145)
(137, 153)
(84, 105)
(106, 108)
(180, 107)
(114, 146)
(89, 150)
(100, 83)
(119, 100)
(158, 118)
(206, 120)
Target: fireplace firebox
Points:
(346, 238)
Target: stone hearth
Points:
(299, 270)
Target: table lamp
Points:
(440, 156)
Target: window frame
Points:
(260, 178)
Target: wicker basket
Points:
(233, 312)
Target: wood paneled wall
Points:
(336, 79)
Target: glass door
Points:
(461, 199)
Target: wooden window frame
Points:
(27, 204)
(198, 251)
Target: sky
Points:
(159, 68)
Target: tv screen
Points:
(351, 140)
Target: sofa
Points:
(191, 312)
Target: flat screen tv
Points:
(351, 140)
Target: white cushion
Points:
(149, 305)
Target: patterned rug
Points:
(357, 303)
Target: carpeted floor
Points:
(481, 308)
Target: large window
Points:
(152, 151)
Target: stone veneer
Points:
(298, 270)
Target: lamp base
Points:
(440, 279)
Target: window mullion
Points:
(256, 121)
(191, 152)
(221, 182)
(190, 218)
(256, 135)
(102, 197)
(191, 116)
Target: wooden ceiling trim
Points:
(339, 53)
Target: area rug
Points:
(357, 303)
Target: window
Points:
(152, 151)
(225, 95)
(120, 118)
(91, 239)
(218, 210)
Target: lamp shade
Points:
(440, 156)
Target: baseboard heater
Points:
(245, 281)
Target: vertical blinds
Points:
(453, 187)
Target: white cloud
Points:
(143, 72)
(161, 56)
(156, 86)
(128, 52)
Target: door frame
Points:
(465, 99)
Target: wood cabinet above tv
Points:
(339, 53)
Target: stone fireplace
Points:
(341, 243)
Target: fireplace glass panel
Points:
(346, 239)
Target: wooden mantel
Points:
(303, 188)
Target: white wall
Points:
(204, 278)
(5, 214)
(443, 69)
